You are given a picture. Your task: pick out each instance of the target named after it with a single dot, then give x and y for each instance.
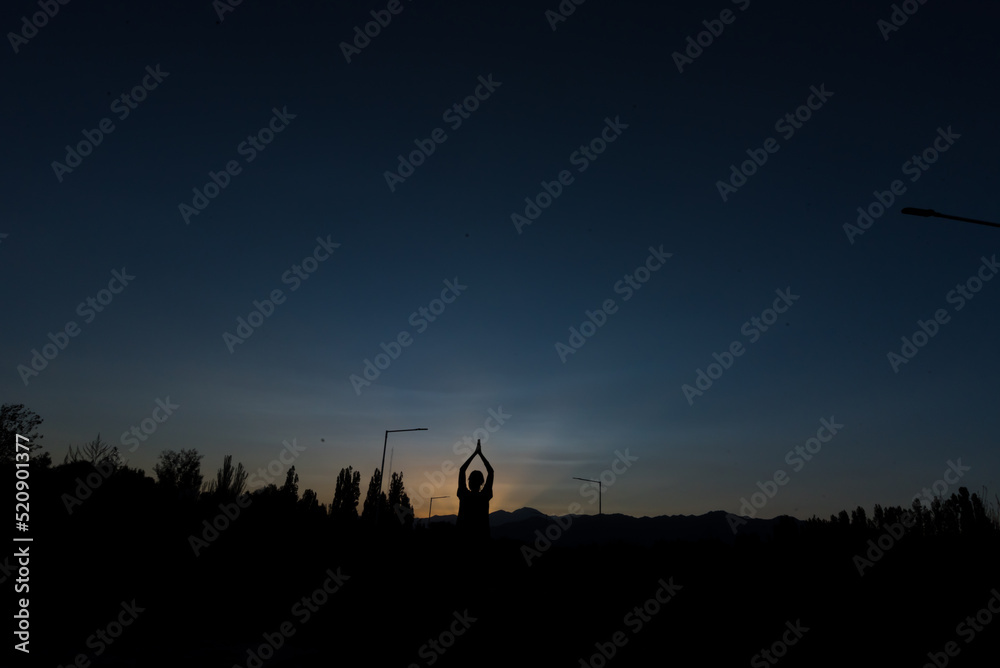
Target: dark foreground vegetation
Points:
(128, 570)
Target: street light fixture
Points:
(925, 213)
(599, 492)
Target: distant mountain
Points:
(497, 517)
(501, 517)
(525, 524)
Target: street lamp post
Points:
(431, 506)
(599, 492)
(381, 471)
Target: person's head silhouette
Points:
(475, 481)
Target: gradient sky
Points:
(494, 347)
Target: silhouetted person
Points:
(474, 500)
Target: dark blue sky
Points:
(494, 347)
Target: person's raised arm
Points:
(488, 487)
(461, 473)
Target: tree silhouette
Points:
(966, 516)
(921, 519)
(16, 420)
(945, 517)
(878, 515)
(346, 495)
(310, 506)
(859, 521)
(399, 501)
(96, 452)
(373, 499)
(290, 489)
(981, 517)
(229, 482)
(179, 472)
(267, 496)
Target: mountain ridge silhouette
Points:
(523, 523)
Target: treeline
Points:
(961, 513)
(179, 480)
